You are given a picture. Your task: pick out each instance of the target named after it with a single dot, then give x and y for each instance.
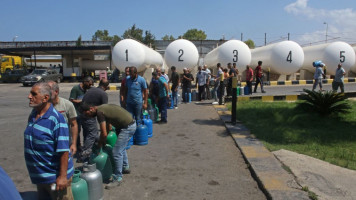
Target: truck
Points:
(9, 63)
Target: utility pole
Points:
(265, 39)
(326, 33)
(288, 35)
(242, 36)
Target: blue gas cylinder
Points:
(171, 101)
(317, 63)
(148, 122)
(246, 91)
(141, 135)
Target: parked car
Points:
(13, 76)
(39, 75)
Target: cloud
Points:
(341, 23)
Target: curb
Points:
(114, 87)
(271, 98)
(272, 179)
(301, 82)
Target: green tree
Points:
(194, 34)
(250, 43)
(133, 33)
(79, 41)
(149, 39)
(115, 39)
(168, 37)
(103, 35)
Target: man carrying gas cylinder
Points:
(109, 115)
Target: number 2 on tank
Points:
(180, 56)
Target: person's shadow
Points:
(29, 195)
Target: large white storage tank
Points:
(283, 58)
(182, 54)
(128, 52)
(232, 51)
(331, 54)
(353, 68)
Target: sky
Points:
(307, 21)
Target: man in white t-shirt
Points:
(201, 82)
(217, 82)
(67, 109)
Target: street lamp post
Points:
(326, 33)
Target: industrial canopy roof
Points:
(28, 49)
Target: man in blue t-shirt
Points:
(47, 153)
(136, 94)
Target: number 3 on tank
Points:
(180, 56)
(289, 57)
(127, 55)
(236, 56)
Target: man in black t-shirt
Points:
(175, 83)
(96, 97)
(232, 73)
(187, 79)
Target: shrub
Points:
(324, 103)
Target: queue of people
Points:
(55, 123)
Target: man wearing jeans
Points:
(94, 96)
(135, 88)
(109, 115)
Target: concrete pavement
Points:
(191, 157)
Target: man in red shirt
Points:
(249, 78)
(259, 77)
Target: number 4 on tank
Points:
(289, 57)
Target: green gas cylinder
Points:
(103, 163)
(157, 114)
(108, 149)
(111, 138)
(79, 187)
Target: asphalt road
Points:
(191, 157)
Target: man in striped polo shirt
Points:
(47, 147)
